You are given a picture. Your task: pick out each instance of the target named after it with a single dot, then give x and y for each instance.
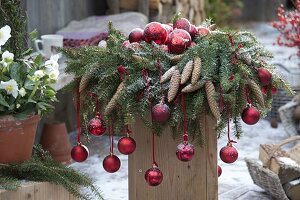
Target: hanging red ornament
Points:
(182, 23)
(229, 154)
(161, 112)
(79, 153)
(264, 76)
(274, 90)
(155, 32)
(126, 145)
(250, 115)
(193, 31)
(219, 171)
(111, 163)
(179, 40)
(96, 126)
(185, 151)
(154, 176)
(136, 35)
(203, 31)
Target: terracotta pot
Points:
(55, 139)
(17, 138)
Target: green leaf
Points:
(3, 102)
(27, 52)
(29, 85)
(38, 60)
(15, 72)
(31, 101)
(33, 34)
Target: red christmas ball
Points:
(250, 115)
(126, 44)
(79, 153)
(111, 163)
(182, 23)
(96, 126)
(274, 90)
(126, 145)
(153, 176)
(155, 32)
(219, 171)
(179, 40)
(264, 76)
(203, 31)
(193, 31)
(136, 35)
(168, 28)
(161, 112)
(185, 152)
(164, 47)
(229, 154)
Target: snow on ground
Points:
(235, 182)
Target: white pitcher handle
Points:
(37, 47)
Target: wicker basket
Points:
(264, 177)
(286, 116)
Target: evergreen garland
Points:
(41, 167)
(216, 51)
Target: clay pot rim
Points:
(12, 121)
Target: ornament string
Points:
(78, 115)
(160, 75)
(111, 138)
(185, 134)
(127, 130)
(228, 124)
(95, 96)
(147, 80)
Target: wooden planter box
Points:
(37, 191)
(194, 180)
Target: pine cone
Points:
(113, 102)
(255, 89)
(210, 93)
(193, 87)
(176, 58)
(168, 74)
(84, 81)
(174, 85)
(187, 72)
(196, 70)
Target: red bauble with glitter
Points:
(79, 153)
(229, 154)
(126, 145)
(96, 126)
(193, 31)
(185, 152)
(154, 176)
(136, 35)
(250, 115)
(161, 112)
(155, 32)
(182, 23)
(264, 76)
(111, 163)
(203, 31)
(219, 171)
(179, 40)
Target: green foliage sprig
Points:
(216, 52)
(41, 167)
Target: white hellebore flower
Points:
(4, 34)
(10, 86)
(52, 63)
(22, 92)
(53, 75)
(39, 73)
(7, 56)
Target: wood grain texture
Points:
(37, 191)
(194, 180)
